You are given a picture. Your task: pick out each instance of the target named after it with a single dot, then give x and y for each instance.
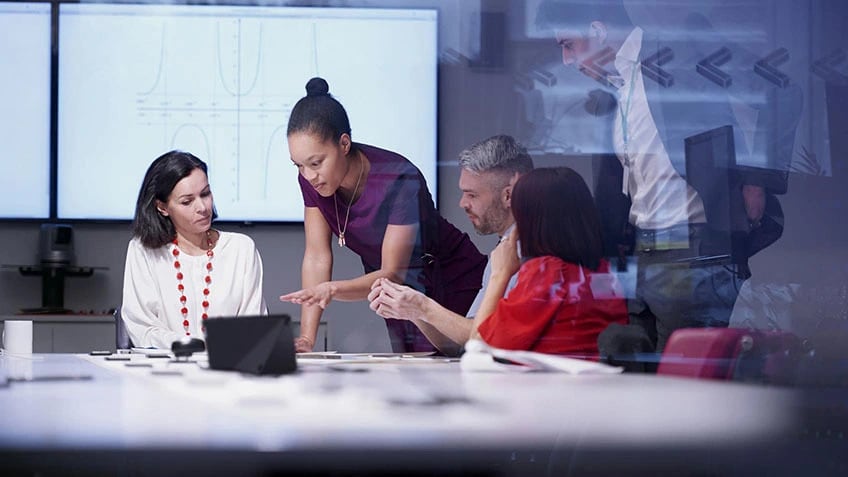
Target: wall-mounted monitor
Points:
(219, 81)
(25, 113)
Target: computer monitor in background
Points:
(25, 111)
(219, 81)
(710, 170)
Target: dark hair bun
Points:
(317, 87)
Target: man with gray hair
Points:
(489, 170)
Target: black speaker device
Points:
(56, 244)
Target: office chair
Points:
(731, 354)
(122, 338)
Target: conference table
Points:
(360, 414)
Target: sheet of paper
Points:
(481, 357)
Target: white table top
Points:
(388, 405)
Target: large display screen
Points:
(25, 118)
(220, 81)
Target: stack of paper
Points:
(481, 357)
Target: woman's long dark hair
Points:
(555, 215)
(149, 226)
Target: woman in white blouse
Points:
(179, 270)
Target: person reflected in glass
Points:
(376, 203)
(180, 271)
(691, 247)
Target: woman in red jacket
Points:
(565, 294)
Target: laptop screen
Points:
(251, 344)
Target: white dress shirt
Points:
(660, 197)
(151, 302)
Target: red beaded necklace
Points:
(207, 280)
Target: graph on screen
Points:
(219, 81)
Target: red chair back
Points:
(730, 354)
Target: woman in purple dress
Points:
(377, 203)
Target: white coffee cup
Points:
(17, 337)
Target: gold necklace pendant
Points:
(343, 228)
